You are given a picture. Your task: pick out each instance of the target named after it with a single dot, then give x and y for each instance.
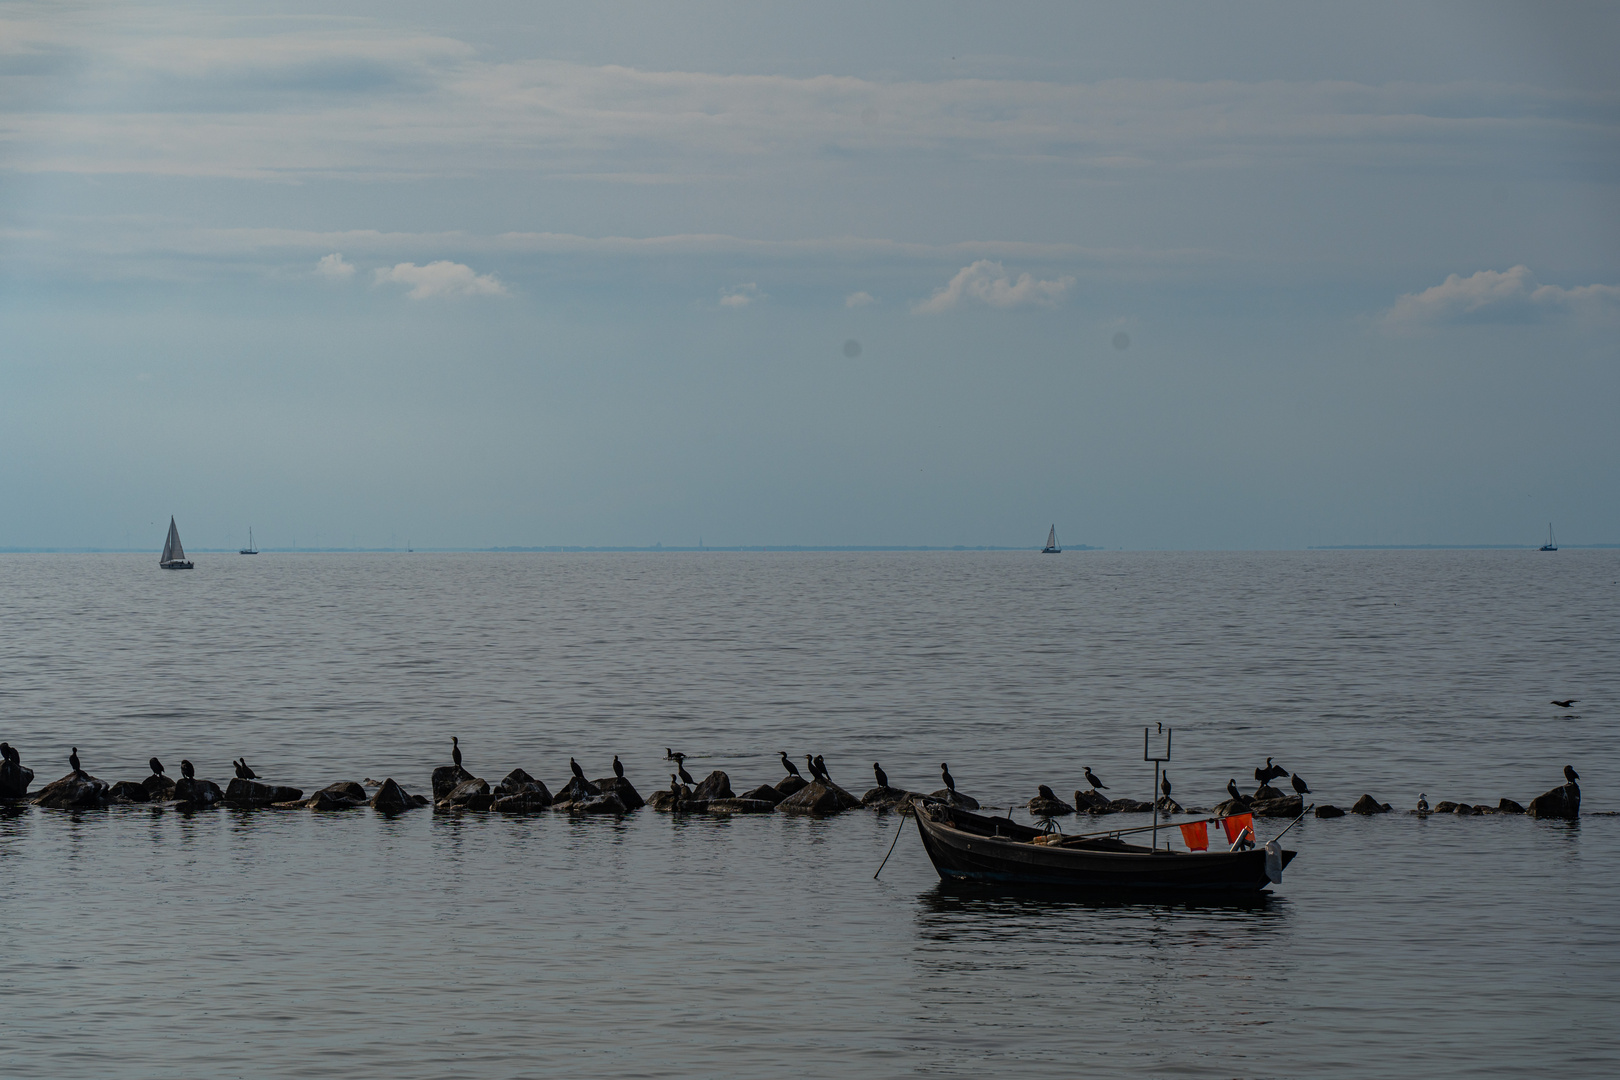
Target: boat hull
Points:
(963, 854)
(175, 565)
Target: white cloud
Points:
(1496, 296)
(859, 299)
(740, 296)
(442, 278)
(988, 282)
(332, 266)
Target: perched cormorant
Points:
(1164, 785)
(1231, 789)
(187, 770)
(577, 771)
(247, 770)
(1299, 785)
(9, 753)
(1047, 793)
(821, 770)
(882, 777)
(1570, 774)
(618, 767)
(686, 777)
(793, 770)
(945, 774)
(1269, 773)
(156, 766)
(1423, 803)
(1096, 784)
(810, 763)
(455, 751)
(236, 767)
(674, 785)
(73, 759)
(1566, 703)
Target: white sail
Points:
(172, 551)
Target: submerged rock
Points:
(741, 806)
(623, 790)
(158, 788)
(253, 793)
(194, 794)
(593, 804)
(445, 779)
(955, 799)
(818, 798)
(1329, 811)
(791, 785)
(884, 798)
(1508, 806)
(717, 785)
(1561, 802)
(766, 792)
(14, 780)
(393, 799)
(128, 791)
(1131, 806)
(1369, 805)
(78, 790)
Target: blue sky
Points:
(1169, 275)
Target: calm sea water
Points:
(287, 944)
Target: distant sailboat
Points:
(1550, 545)
(250, 549)
(174, 556)
(1051, 547)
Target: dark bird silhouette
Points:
(156, 766)
(1231, 789)
(1269, 772)
(821, 770)
(1423, 803)
(882, 777)
(945, 774)
(674, 755)
(236, 767)
(455, 751)
(1570, 774)
(1566, 703)
(73, 759)
(674, 785)
(618, 767)
(1096, 784)
(247, 771)
(810, 763)
(1047, 793)
(187, 770)
(1299, 784)
(686, 777)
(10, 753)
(1164, 785)
(573, 766)
(793, 770)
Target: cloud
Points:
(859, 299)
(442, 278)
(741, 295)
(1499, 296)
(333, 267)
(989, 282)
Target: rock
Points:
(78, 790)
(1092, 802)
(1329, 811)
(819, 798)
(717, 785)
(791, 785)
(1444, 808)
(766, 792)
(128, 791)
(14, 780)
(593, 804)
(1289, 806)
(1369, 805)
(463, 794)
(194, 794)
(741, 806)
(518, 782)
(158, 788)
(1464, 810)
(521, 793)
(1131, 806)
(1167, 805)
(577, 790)
(1481, 808)
(393, 799)
(1232, 807)
(956, 799)
(1561, 802)
(1508, 806)
(1042, 807)
(667, 800)
(625, 792)
(252, 793)
(1265, 792)
(445, 779)
(884, 798)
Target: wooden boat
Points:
(174, 556)
(971, 847)
(1051, 547)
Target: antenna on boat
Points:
(1169, 734)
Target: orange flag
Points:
(1234, 826)
(1196, 833)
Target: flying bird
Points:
(1299, 785)
(945, 774)
(1095, 783)
(1566, 703)
(187, 770)
(618, 767)
(793, 770)
(156, 766)
(1570, 774)
(882, 777)
(455, 751)
(73, 759)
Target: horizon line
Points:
(783, 548)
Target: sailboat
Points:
(250, 549)
(174, 556)
(1051, 547)
(1550, 545)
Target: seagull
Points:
(1566, 703)
(1423, 803)
(945, 773)
(1095, 783)
(1570, 774)
(187, 770)
(1299, 785)
(618, 768)
(882, 777)
(686, 777)
(156, 766)
(793, 770)
(1231, 789)
(73, 759)
(455, 751)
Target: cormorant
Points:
(247, 771)
(821, 769)
(674, 755)
(618, 768)
(236, 767)
(1423, 803)
(793, 770)
(945, 774)
(73, 759)
(686, 777)
(455, 751)
(1047, 793)
(9, 753)
(1299, 785)
(674, 785)
(1570, 774)
(1095, 783)
(577, 771)
(156, 766)
(810, 763)
(1231, 789)
(187, 770)
(1566, 703)
(882, 777)
(1164, 785)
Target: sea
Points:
(146, 942)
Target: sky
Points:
(1167, 275)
